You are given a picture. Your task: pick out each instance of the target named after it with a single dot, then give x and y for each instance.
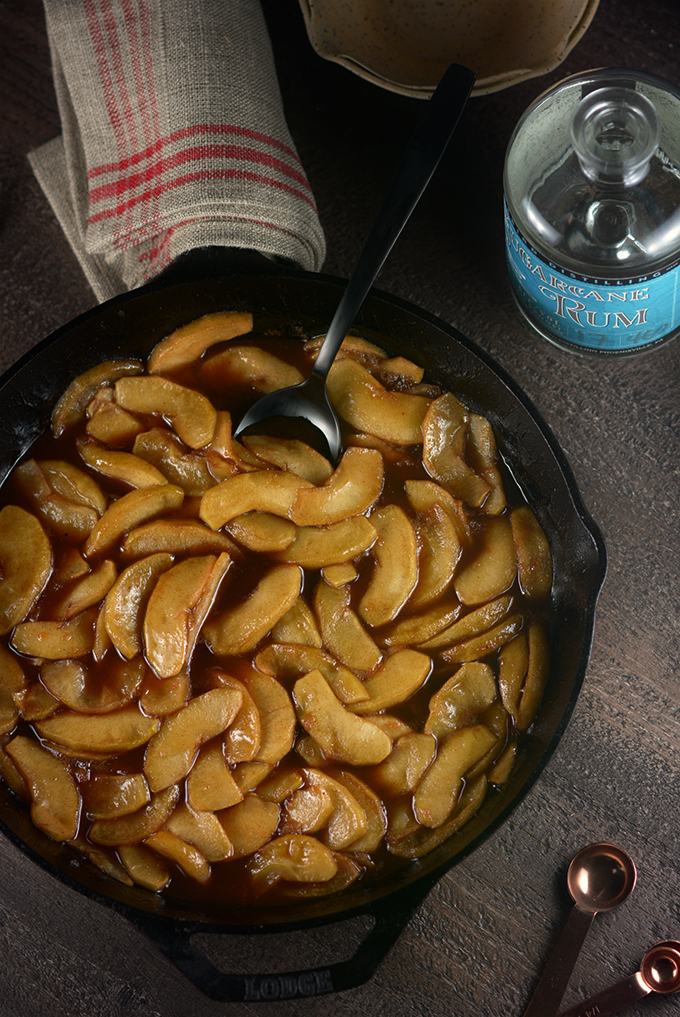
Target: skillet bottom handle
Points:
(175, 942)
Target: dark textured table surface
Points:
(479, 941)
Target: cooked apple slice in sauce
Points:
(74, 684)
(445, 430)
(85, 591)
(395, 571)
(126, 600)
(25, 564)
(70, 408)
(130, 510)
(342, 630)
(241, 628)
(189, 342)
(12, 683)
(534, 561)
(277, 717)
(56, 640)
(292, 660)
(171, 752)
(107, 795)
(210, 785)
(347, 821)
(244, 737)
(201, 829)
(343, 736)
(350, 490)
(55, 802)
(112, 733)
(363, 402)
(440, 788)
(124, 467)
(262, 531)
(292, 455)
(403, 769)
(493, 568)
(138, 825)
(179, 464)
(270, 491)
(72, 520)
(466, 693)
(315, 547)
(250, 824)
(394, 681)
(177, 608)
(191, 413)
(298, 625)
(295, 858)
(176, 536)
(440, 551)
(248, 366)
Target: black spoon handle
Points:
(421, 158)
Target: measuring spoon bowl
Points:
(600, 878)
(659, 972)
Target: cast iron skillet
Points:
(209, 280)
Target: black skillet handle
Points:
(174, 940)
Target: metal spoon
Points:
(600, 878)
(308, 401)
(659, 972)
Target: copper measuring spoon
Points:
(600, 878)
(659, 972)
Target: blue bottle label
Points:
(594, 313)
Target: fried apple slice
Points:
(298, 625)
(536, 676)
(227, 456)
(125, 602)
(534, 561)
(177, 608)
(176, 850)
(439, 790)
(34, 702)
(145, 868)
(307, 810)
(445, 430)
(12, 683)
(241, 628)
(474, 623)
(83, 692)
(25, 564)
(70, 408)
(347, 821)
(418, 628)
(244, 737)
(488, 642)
(175, 536)
(262, 531)
(110, 424)
(277, 717)
(352, 346)
(482, 457)
(403, 769)
(250, 824)
(342, 631)
(248, 366)
(112, 733)
(440, 552)
(70, 519)
(419, 841)
(171, 752)
(289, 660)
(203, 830)
(425, 495)
(493, 568)
(106, 795)
(191, 414)
(136, 827)
(395, 571)
(86, 591)
(124, 467)
(179, 464)
(294, 858)
(394, 681)
(292, 455)
(73, 484)
(160, 696)
(363, 402)
(316, 547)
(55, 640)
(513, 661)
(399, 369)
(265, 491)
(372, 807)
(189, 342)
(350, 491)
(130, 510)
(340, 575)
(248, 776)
(343, 736)
(55, 802)
(283, 783)
(210, 785)
(466, 693)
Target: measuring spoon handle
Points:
(550, 989)
(611, 1000)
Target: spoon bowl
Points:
(659, 972)
(600, 878)
(308, 402)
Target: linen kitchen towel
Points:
(174, 137)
